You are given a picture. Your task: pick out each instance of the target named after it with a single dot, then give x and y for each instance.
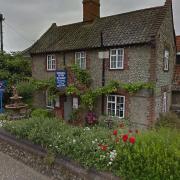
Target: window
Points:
(80, 59)
(75, 103)
(116, 106)
(117, 59)
(164, 109)
(51, 63)
(166, 60)
(49, 100)
(178, 59)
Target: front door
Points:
(67, 108)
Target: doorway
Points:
(68, 108)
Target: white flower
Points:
(87, 129)
(110, 163)
(96, 140)
(74, 141)
(93, 142)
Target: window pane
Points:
(120, 52)
(80, 59)
(113, 52)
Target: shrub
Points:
(42, 113)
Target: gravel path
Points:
(11, 169)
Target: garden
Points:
(127, 153)
(124, 151)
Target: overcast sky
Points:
(26, 20)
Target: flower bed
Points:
(127, 153)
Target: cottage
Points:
(139, 46)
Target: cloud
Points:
(27, 20)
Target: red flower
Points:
(103, 147)
(125, 137)
(132, 140)
(115, 132)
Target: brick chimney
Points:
(168, 2)
(91, 10)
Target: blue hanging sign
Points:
(2, 89)
(61, 79)
(2, 85)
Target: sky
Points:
(26, 20)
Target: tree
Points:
(14, 68)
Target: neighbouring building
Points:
(141, 47)
(176, 82)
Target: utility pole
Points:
(1, 32)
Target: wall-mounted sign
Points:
(103, 54)
(61, 79)
(75, 103)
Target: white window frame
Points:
(164, 102)
(115, 102)
(51, 62)
(80, 59)
(116, 55)
(49, 101)
(166, 60)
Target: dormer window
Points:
(117, 58)
(166, 60)
(80, 59)
(51, 62)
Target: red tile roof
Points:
(178, 43)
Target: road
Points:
(11, 169)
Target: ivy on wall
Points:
(88, 96)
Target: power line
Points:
(18, 33)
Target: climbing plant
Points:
(89, 95)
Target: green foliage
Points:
(82, 75)
(44, 113)
(26, 89)
(155, 154)
(14, 68)
(135, 87)
(88, 99)
(168, 119)
(72, 89)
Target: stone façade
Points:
(143, 63)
